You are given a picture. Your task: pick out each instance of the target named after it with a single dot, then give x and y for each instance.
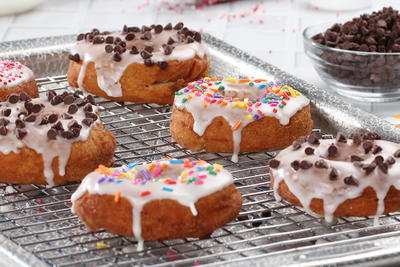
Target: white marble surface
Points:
(268, 29)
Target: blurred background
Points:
(268, 29)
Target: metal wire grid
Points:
(39, 219)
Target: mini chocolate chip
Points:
(87, 121)
(163, 65)
(119, 49)
(350, 180)
(4, 122)
(23, 97)
(117, 40)
(134, 50)
(56, 100)
(168, 50)
(130, 36)
(91, 115)
(88, 108)
(367, 146)
(146, 36)
(178, 26)
(369, 168)
(321, 164)
(158, 28)
(168, 27)
(50, 94)
(397, 154)
(3, 130)
(170, 41)
(43, 121)
(52, 118)
(355, 158)
(58, 126)
(296, 145)
(117, 57)
(7, 113)
(190, 40)
(123, 45)
(341, 138)
(390, 160)
(109, 40)
(379, 159)
(19, 123)
(332, 150)
(145, 55)
(98, 40)
(309, 150)
(79, 102)
(80, 37)
(149, 49)
(273, 163)
(36, 108)
(67, 134)
(66, 116)
(74, 124)
(30, 118)
(333, 175)
(133, 29)
(21, 133)
(125, 29)
(367, 135)
(356, 139)
(52, 134)
(295, 165)
(376, 149)
(146, 29)
(148, 62)
(75, 58)
(13, 99)
(109, 48)
(72, 109)
(305, 165)
(90, 99)
(197, 37)
(76, 131)
(313, 139)
(68, 100)
(383, 167)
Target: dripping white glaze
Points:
(36, 137)
(131, 187)
(109, 71)
(205, 108)
(315, 183)
(13, 73)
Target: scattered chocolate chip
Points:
(58, 126)
(23, 97)
(273, 163)
(355, 158)
(146, 29)
(90, 99)
(21, 133)
(332, 150)
(130, 36)
(75, 57)
(109, 40)
(309, 150)
(305, 165)
(72, 109)
(383, 167)
(133, 29)
(242, 218)
(376, 149)
(117, 57)
(88, 108)
(379, 159)
(80, 37)
(296, 145)
(158, 28)
(256, 223)
(52, 134)
(76, 131)
(7, 113)
(168, 27)
(87, 121)
(178, 26)
(333, 175)
(50, 94)
(390, 160)
(170, 41)
(397, 154)
(341, 138)
(350, 180)
(314, 138)
(367, 146)
(56, 100)
(79, 102)
(4, 122)
(43, 121)
(134, 50)
(119, 49)
(356, 139)
(19, 123)
(67, 134)
(52, 118)
(146, 36)
(108, 48)
(321, 164)
(295, 165)
(13, 99)
(148, 62)
(124, 29)
(145, 55)
(36, 108)
(197, 37)
(98, 40)
(163, 65)
(168, 50)
(369, 168)
(189, 40)
(266, 213)
(91, 115)
(30, 118)
(3, 130)
(68, 100)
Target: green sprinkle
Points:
(212, 172)
(221, 88)
(178, 93)
(184, 100)
(251, 83)
(281, 105)
(209, 168)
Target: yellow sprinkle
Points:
(396, 116)
(101, 245)
(249, 117)
(219, 166)
(184, 173)
(117, 197)
(231, 80)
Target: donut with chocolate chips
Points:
(53, 139)
(16, 78)
(359, 177)
(141, 65)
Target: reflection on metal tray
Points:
(38, 228)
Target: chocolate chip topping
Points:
(134, 50)
(341, 138)
(273, 163)
(333, 175)
(309, 151)
(87, 121)
(52, 118)
(170, 41)
(376, 149)
(145, 55)
(52, 134)
(168, 27)
(314, 138)
(67, 134)
(23, 97)
(108, 48)
(163, 65)
(390, 160)
(168, 50)
(367, 146)
(296, 145)
(19, 123)
(383, 167)
(356, 139)
(332, 150)
(80, 37)
(117, 57)
(130, 36)
(295, 165)
(98, 40)
(13, 99)
(178, 26)
(91, 115)
(321, 164)
(148, 62)
(6, 112)
(355, 158)
(4, 122)
(75, 57)
(21, 133)
(3, 131)
(397, 154)
(158, 28)
(305, 165)
(56, 100)
(72, 109)
(369, 168)
(146, 36)
(30, 118)
(350, 180)
(109, 40)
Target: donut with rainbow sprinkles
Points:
(239, 115)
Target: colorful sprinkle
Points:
(144, 193)
(167, 189)
(237, 125)
(117, 197)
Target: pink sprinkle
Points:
(191, 172)
(170, 252)
(273, 105)
(157, 172)
(250, 109)
(258, 104)
(199, 182)
(250, 104)
(202, 176)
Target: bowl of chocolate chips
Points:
(359, 59)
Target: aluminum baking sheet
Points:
(38, 229)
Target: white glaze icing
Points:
(109, 71)
(13, 73)
(315, 182)
(131, 185)
(36, 137)
(205, 101)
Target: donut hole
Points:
(241, 91)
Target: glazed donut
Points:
(16, 78)
(238, 115)
(51, 140)
(359, 176)
(144, 65)
(160, 200)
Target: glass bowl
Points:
(363, 76)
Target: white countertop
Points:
(268, 29)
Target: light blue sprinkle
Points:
(175, 161)
(261, 86)
(133, 165)
(118, 181)
(167, 189)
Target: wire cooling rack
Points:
(39, 219)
